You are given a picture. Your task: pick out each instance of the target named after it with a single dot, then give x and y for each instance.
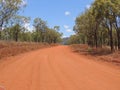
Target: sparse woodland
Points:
(12, 25)
(99, 25)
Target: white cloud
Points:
(69, 30)
(67, 13)
(88, 6)
(66, 26)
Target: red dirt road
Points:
(57, 68)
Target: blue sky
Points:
(57, 12)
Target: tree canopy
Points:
(100, 24)
(13, 26)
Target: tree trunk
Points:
(16, 37)
(111, 38)
(95, 37)
(1, 25)
(118, 35)
(118, 31)
(101, 40)
(0, 34)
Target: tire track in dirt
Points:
(63, 77)
(57, 68)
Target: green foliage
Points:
(8, 8)
(45, 34)
(41, 32)
(13, 26)
(74, 39)
(100, 24)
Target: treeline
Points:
(99, 25)
(14, 27)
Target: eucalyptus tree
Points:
(81, 27)
(116, 16)
(18, 27)
(107, 13)
(8, 8)
(85, 27)
(98, 24)
(40, 27)
(74, 39)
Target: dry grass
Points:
(113, 58)
(13, 48)
(102, 54)
(79, 48)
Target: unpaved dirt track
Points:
(57, 68)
